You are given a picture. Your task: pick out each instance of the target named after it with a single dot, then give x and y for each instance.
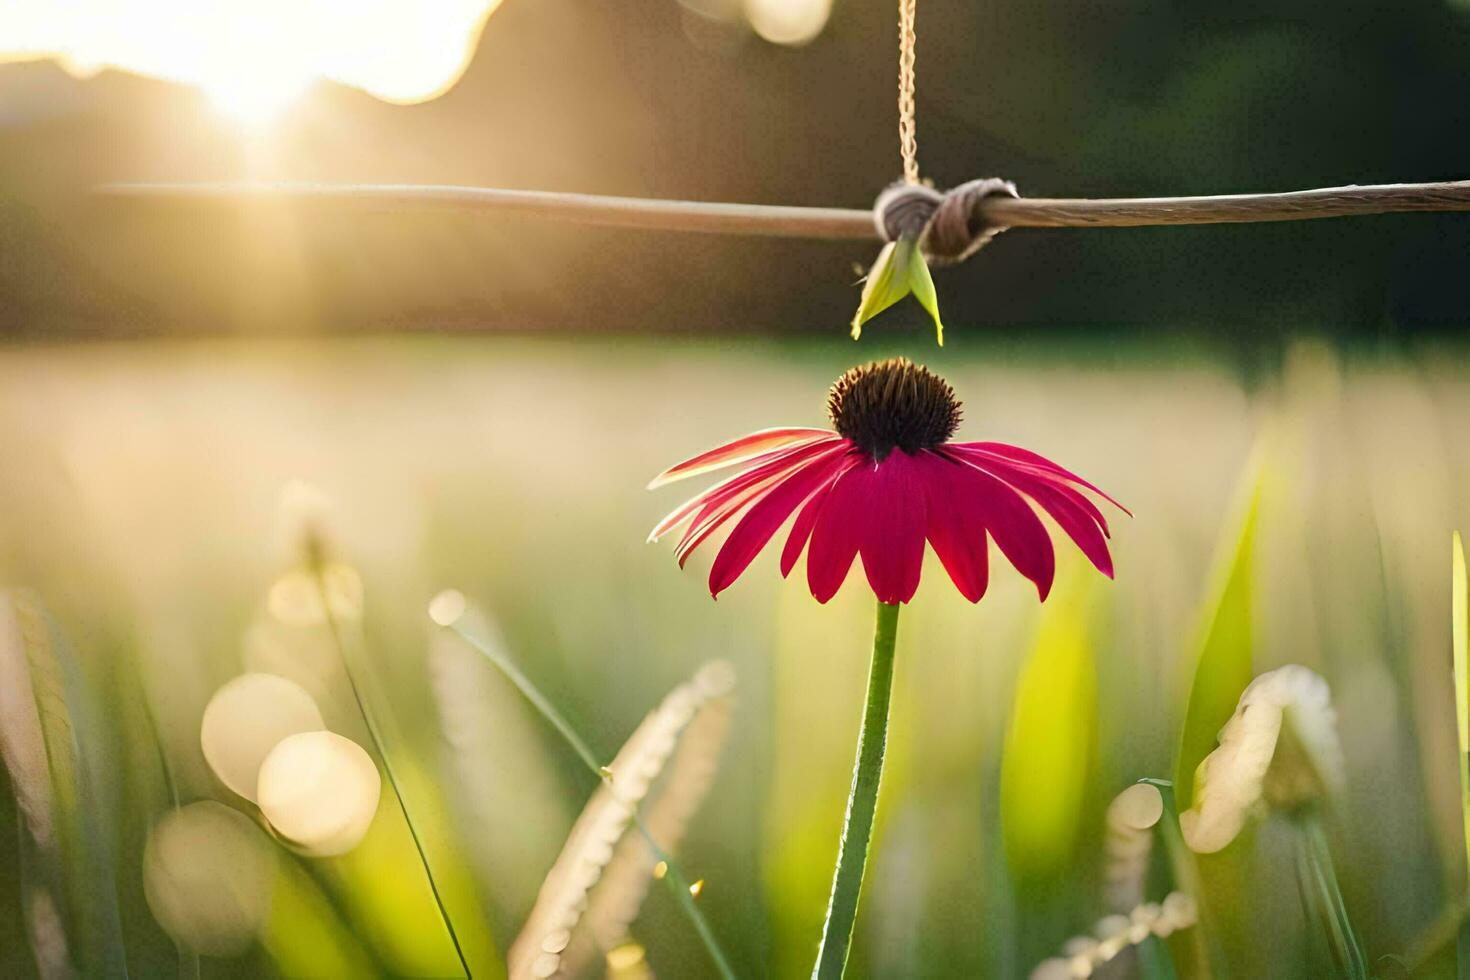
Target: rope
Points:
(985, 213)
(908, 143)
(950, 226)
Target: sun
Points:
(255, 58)
(255, 100)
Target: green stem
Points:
(1154, 961)
(862, 802)
(188, 959)
(1323, 896)
(318, 573)
(678, 884)
(1462, 950)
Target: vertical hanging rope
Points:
(908, 144)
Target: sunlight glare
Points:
(257, 101)
(255, 57)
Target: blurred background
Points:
(688, 99)
(481, 399)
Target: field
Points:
(141, 501)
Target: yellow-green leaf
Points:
(1223, 663)
(899, 271)
(922, 285)
(1048, 753)
(886, 284)
(303, 934)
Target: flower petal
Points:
(956, 528)
(764, 518)
(801, 528)
(1014, 525)
(711, 498)
(740, 450)
(1087, 532)
(1015, 454)
(838, 532)
(1081, 500)
(1066, 505)
(716, 513)
(730, 503)
(893, 533)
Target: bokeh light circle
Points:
(245, 719)
(790, 22)
(447, 607)
(296, 597)
(208, 874)
(319, 791)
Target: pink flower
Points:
(881, 485)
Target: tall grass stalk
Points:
(1154, 961)
(1460, 630)
(678, 884)
(188, 959)
(1225, 636)
(1322, 897)
(318, 568)
(862, 802)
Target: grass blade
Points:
(598, 883)
(448, 609)
(50, 741)
(513, 819)
(1223, 669)
(665, 813)
(304, 935)
(1154, 960)
(1223, 662)
(313, 550)
(188, 959)
(1460, 631)
(1048, 752)
(1323, 901)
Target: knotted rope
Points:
(947, 225)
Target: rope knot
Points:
(947, 225)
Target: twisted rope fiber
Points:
(949, 225)
(908, 143)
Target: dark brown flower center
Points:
(893, 404)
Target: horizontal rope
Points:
(590, 209)
(827, 223)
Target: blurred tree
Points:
(671, 98)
